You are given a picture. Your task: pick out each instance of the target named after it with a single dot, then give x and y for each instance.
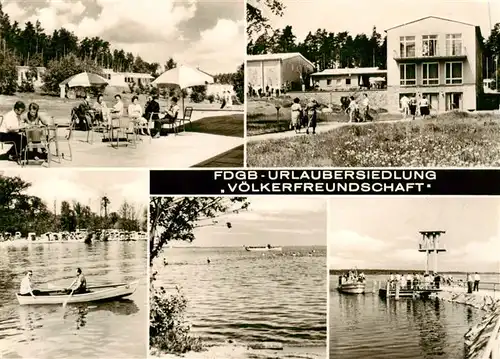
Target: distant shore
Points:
(240, 351)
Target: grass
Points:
(262, 116)
(450, 140)
(232, 158)
(230, 125)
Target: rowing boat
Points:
(94, 294)
(260, 249)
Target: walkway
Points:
(320, 129)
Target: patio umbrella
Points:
(84, 79)
(184, 77)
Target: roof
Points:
(128, 74)
(428, 17)
(350, 71)
(280, 56)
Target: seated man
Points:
(79, 285)
(25, 288)
(9, 131)
(170, 116)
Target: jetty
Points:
(430, 245)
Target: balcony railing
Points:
(443, 52)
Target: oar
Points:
(67, 299)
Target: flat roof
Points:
(427, 17)
(279, 56)
(351, 71)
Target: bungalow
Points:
(348, 79)
(124, 79)
(278, 71)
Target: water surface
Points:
(93, 330)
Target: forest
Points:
(327, 49)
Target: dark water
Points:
(367, 326)
(93, 330)
(252, 296)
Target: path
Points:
(320, 129)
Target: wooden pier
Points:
(396, 292)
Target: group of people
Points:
(357, 113)
(306, 116)
(353, 277)
(412, 107)
(19, 125)
(78, 286)
(416, 281)
(99, 113)
(473, 282)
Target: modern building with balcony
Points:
(438, 58)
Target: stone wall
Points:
(378, 98)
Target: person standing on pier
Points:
(477, 278)
(469, 283)
(437, 280)
(409, 280)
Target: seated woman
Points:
(170, 116)
(33, 121)
(101, 110)
(135, 113)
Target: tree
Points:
(104, 205)
(239, 83)
(8, 74)
(175, 219)
(171, 64)
(198, 93)
(60, 70)
(256, 21)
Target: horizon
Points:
(197, 33)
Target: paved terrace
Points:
(185, 149)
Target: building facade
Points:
(277, 71)
(124, 79)
(349, 79)
(438, 58)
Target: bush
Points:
(239, 83)
(168, 331)
(211, 98)
(26, 86)
(8, 74)
(198, 93)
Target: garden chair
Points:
(12, 143)
(122, 126)
(56, 139)
(37, 138)
(188, 112)
(169, 122)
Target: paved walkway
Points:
(325, 127)
(183, 150)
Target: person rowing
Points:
(25, 288)
(79, 285)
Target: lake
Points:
(92, 330)
(252, 296)
(367, 326)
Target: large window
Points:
(407, 46)
(408, 74)
(430, 74)
(454, 72)
(454, 44)
(429, 45)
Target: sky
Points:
(278, 221)
(209, 34)
(383, 232)
(359, 16)
(87, 186)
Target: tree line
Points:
(21, 212)
(327, 49)
(31, 46)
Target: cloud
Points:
(14, 10)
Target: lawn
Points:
(451, 140)
(230, 125)
(262, 116)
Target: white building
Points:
(347, 78)
(277, 71)
(439, 58)
(22, 74)
(123, 79)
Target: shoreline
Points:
(242, 351)
(478, 336)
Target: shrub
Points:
(198, 93)
(211, 98)
(168, 331)
(8, 74)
